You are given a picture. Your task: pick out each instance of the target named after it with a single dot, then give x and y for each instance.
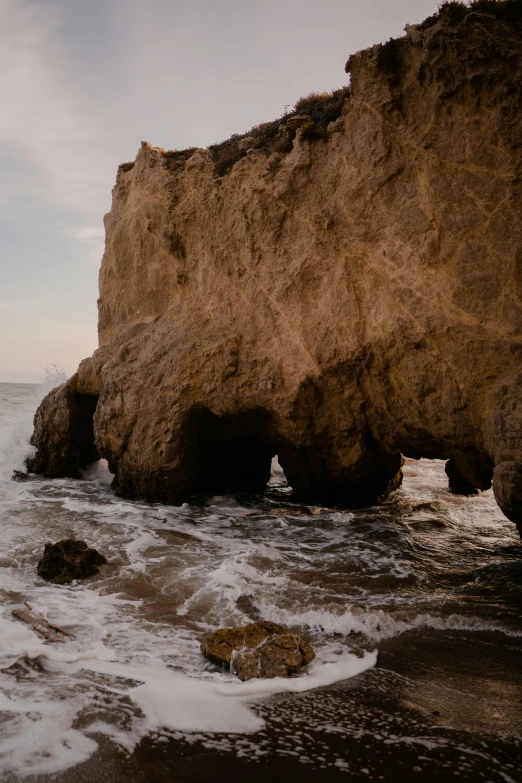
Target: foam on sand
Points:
(37, 731)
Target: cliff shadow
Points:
(234, 452)
(85, 409)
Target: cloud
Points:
(30, 343)
(58, 332)
(93, 238)
(89, 232)
(43, 116)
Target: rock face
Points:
(261, 649)
(67, 560)
(340, 298)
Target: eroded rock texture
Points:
(351, 296)
(262, 649)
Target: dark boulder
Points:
(457, 483)
(261, 649)
(67, 560)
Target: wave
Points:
(377, 625)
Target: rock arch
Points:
(360, 284)
(64, 433)
(234, 452)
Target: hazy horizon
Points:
(83, 85)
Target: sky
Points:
(83, 82)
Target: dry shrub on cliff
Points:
(276, 136)
(389, 58)
(126, 166)
(179, 154)
(176, 159)
(323, 104)
(452, 7)
(509, 11)
(304, 103)
(227, 153)
(322, 108)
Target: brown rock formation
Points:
(261, 649)
(338, 304)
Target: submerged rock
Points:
(260, 649)
(359, 300)
(67, 560)
(19, 475)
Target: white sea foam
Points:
(167, 699)
(16, 423)
(176, 572)
(378, 625)
(39, 738)
(98, 471)
(14, 445)
(233, 578)
(136, 549)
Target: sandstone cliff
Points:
(336, 296)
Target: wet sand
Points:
(437, 707)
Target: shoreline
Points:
(430, 710)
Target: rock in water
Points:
(280, 656)
(338, 299)
(457, 482)
(67, 560)
(261, 649)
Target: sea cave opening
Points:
(235, 453)
(85, 410)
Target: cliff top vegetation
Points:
(509, 11)
(314, 112)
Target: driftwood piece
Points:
(42, 626)
(60, 630)
(39, 626)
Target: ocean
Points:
(413, 608)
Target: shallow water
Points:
(423, 594)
